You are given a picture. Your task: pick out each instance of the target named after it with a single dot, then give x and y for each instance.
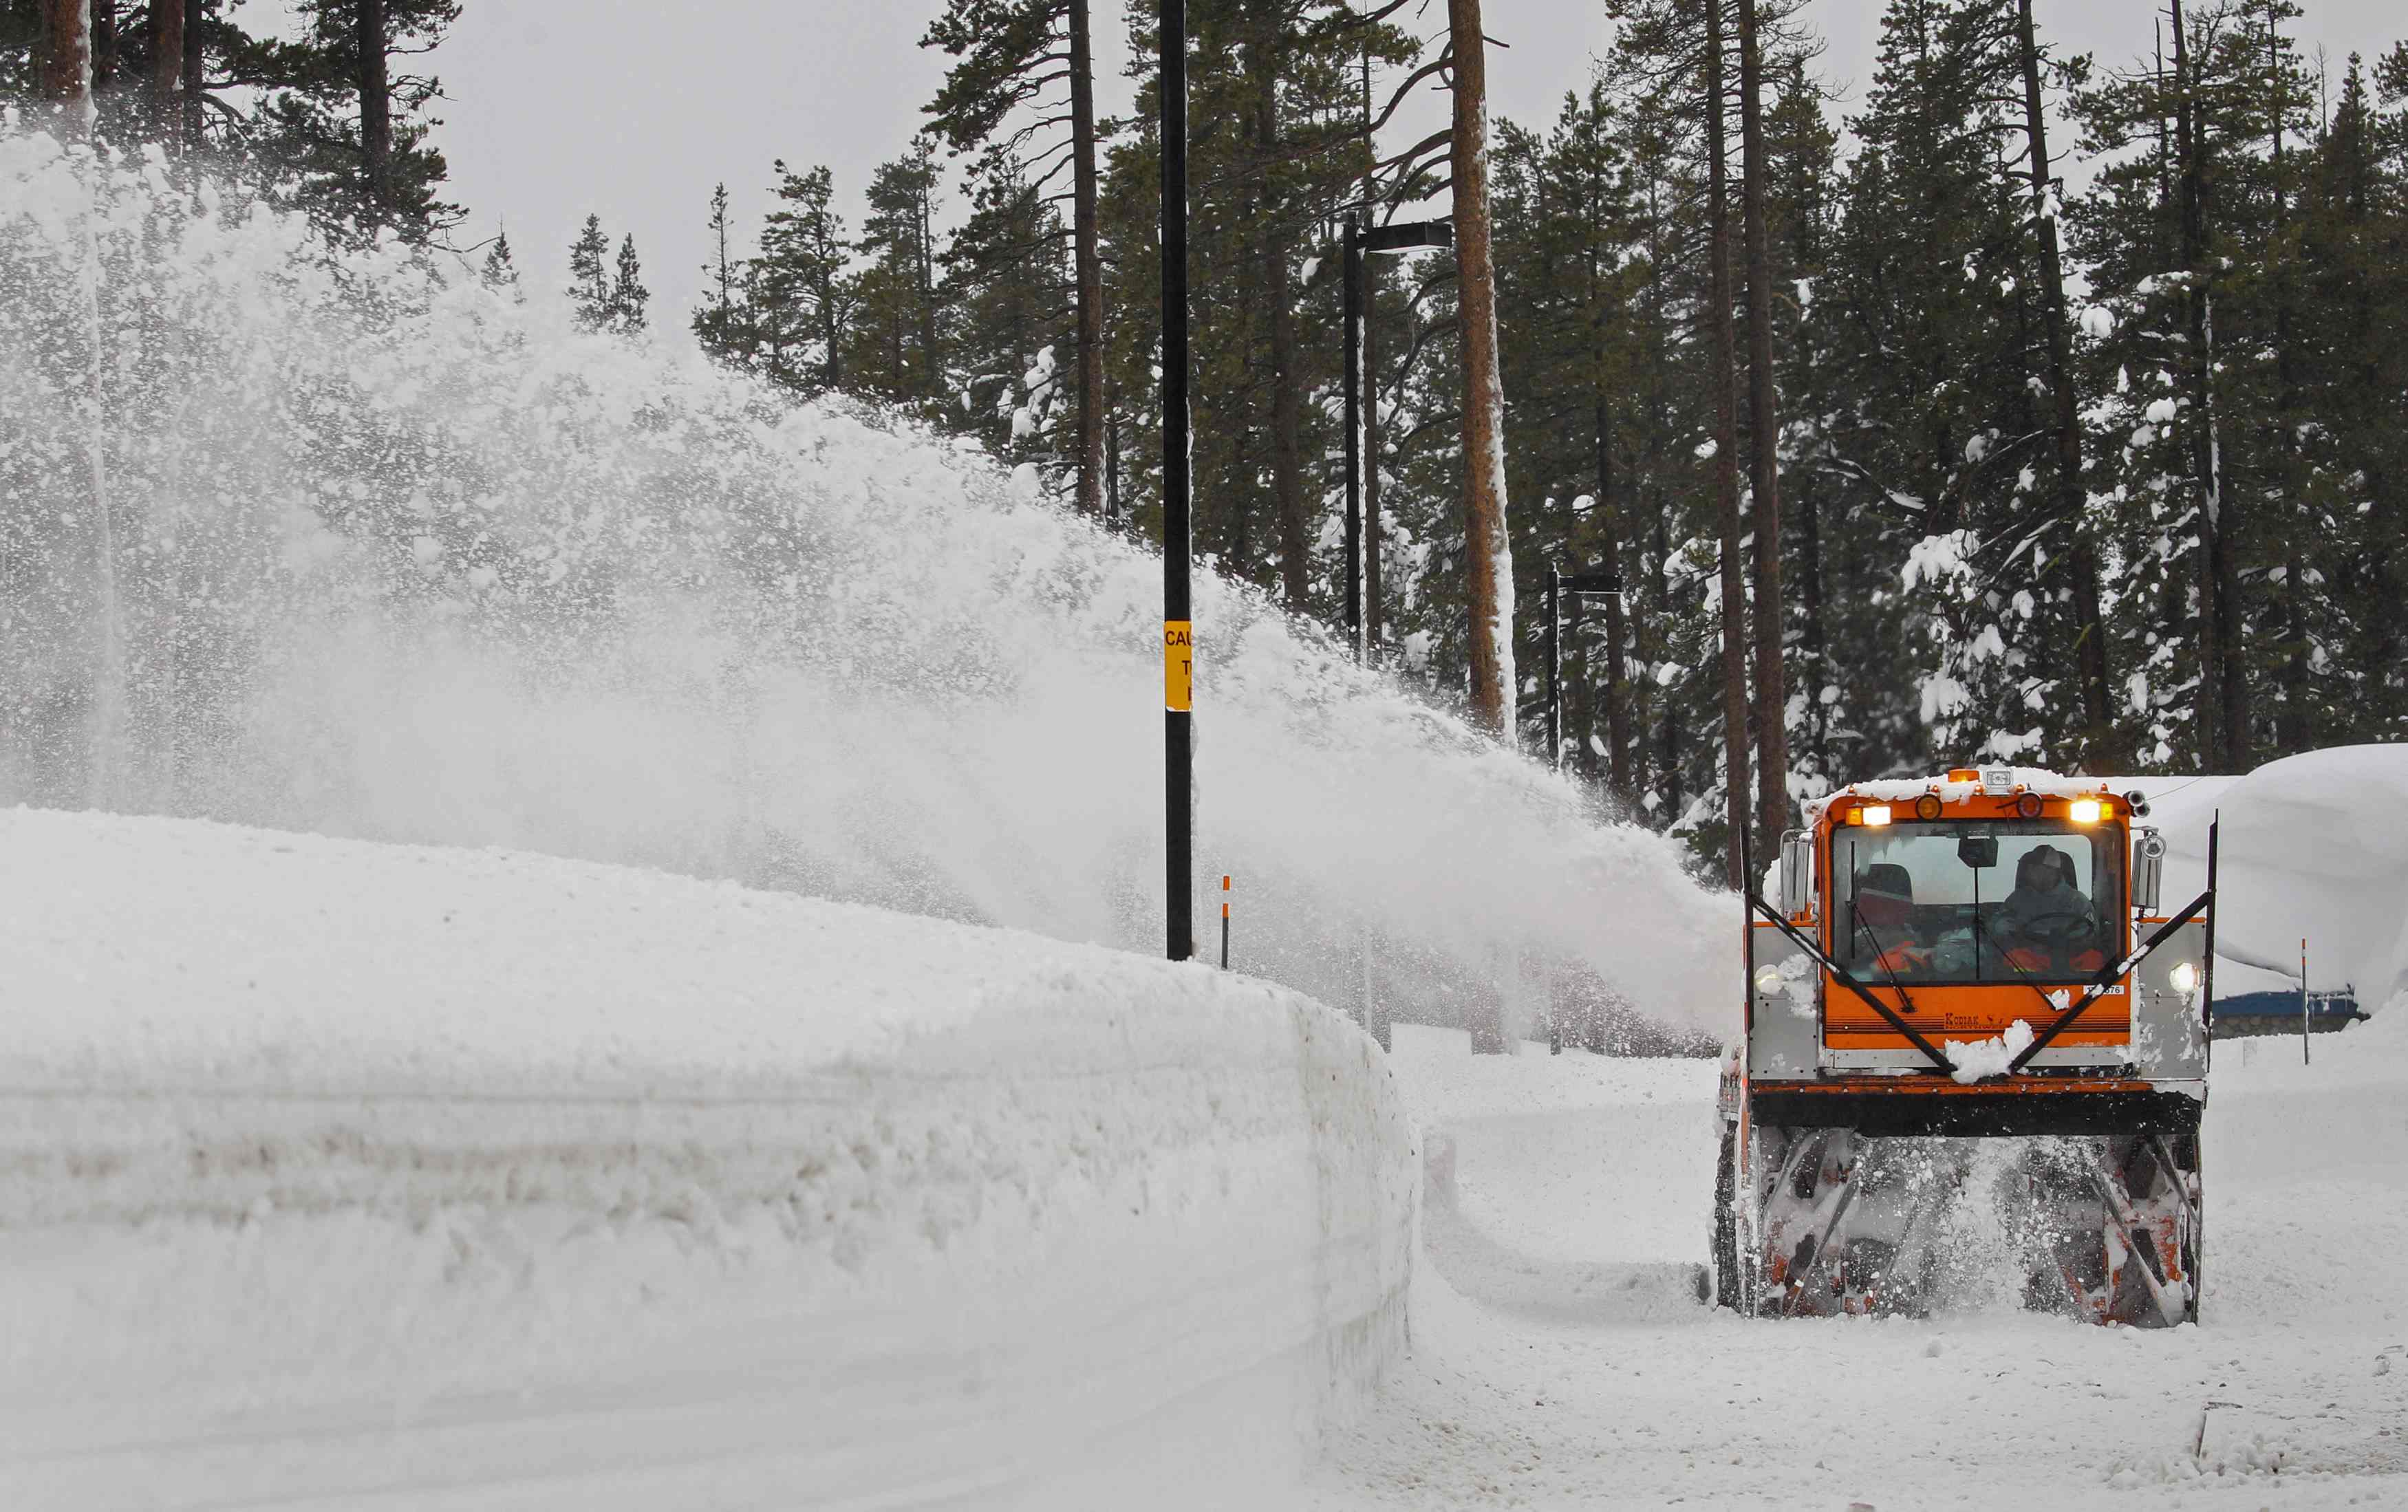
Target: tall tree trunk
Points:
(375, 112)
(1618, 684)
(166, 63)
(195, 72)
(1262, 66)
(1111, 462)
(66, 53)
(2292, 725)
(103, 45)
(1725, 380)
(1087, 264)
(1815, 639)
(1371, 535)
(2223, 717)
(1674, 746)
(932, 377)
(2072, 498)
(1287, 424)
(1488, 551)
(1764, 449)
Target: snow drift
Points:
(2314, 847)
(330, 1168)
(353, 544)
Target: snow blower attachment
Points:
(1952, 964)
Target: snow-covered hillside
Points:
(335, 1173)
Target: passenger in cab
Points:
(1885, 937)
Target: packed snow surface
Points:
(337, 1174)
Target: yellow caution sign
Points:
(1178, 665)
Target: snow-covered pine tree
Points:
(1564, 292)
(1940, 442)
(1265, 193)
(1002, 286)
(1022, 93)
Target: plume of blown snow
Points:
(389, 554)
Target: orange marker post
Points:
(1224, 924)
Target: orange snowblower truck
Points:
(1967, 995)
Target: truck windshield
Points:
(1977, 902)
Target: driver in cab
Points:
(2047, 924)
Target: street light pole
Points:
(1352, 272)
(1360, 241)
(1178, 629)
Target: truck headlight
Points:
(2184, 979)
(1768, 978)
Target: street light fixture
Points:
(1360, 241)
(1578, 584)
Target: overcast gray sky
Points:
(633, 110)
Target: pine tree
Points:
(589, 283)
(1564, 297)
(1265, 196)
(499, 272)
(344, 132)
(722, 322)
(803, 288)
(997, 98)
(628, 295)
(897, 352)
(1001, 284)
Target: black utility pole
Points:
(1353, 273)
(1359, 242)
(1178, 630)
(1558, 583)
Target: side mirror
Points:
(1798, 873)
(2148, 869)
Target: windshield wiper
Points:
(1881, 954)
(1813, 951)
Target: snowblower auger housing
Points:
(1977, 957)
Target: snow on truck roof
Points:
(1954, 787)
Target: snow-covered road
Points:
(1558, 1359)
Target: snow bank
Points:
(2314, 847)
(330, 1168)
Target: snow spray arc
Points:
(402, 557)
